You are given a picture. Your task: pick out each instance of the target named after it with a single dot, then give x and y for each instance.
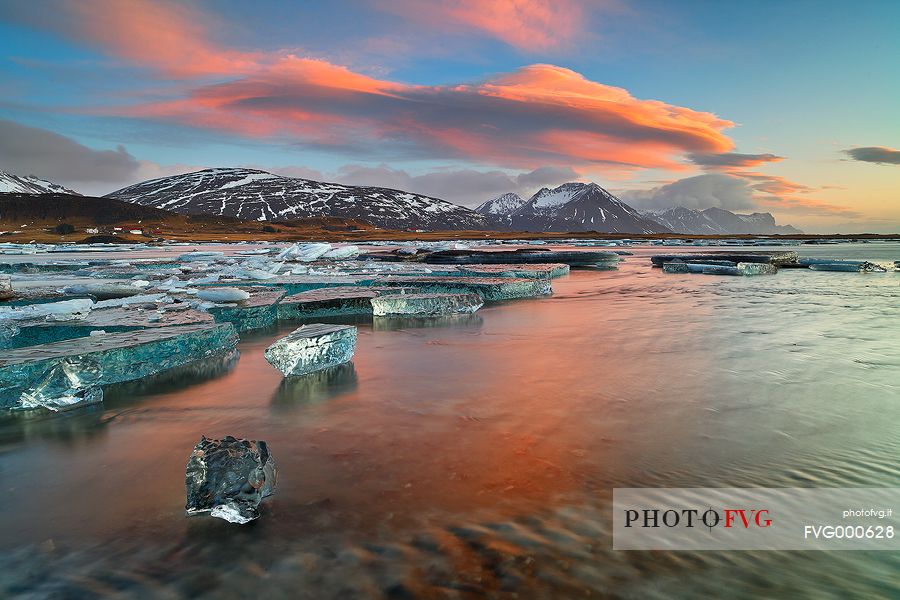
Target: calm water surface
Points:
(476, 456)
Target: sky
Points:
(789, 107)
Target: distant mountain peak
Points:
(30, 184)
(572, 206)
(502, 205)
(718, 221)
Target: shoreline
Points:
(45, 236)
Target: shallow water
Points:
(476, 456)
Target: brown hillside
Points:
(26, 217)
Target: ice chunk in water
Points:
(201, 256)
(69, 384)
(229, 478)
(223, 294)
(134, 301)
(103, 290)
(258, 274)
(740, 268)
(863, 267)
(6, 291)
(342, 253)
(425, 304)
(312, 348)
(59, 311)
(304, 252)
(107, 359)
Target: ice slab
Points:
(228, 478)
(294, 284)
(342, 253)
(489, 288)
(575, 258)
(6, 290)
(144, 300)
(426, 305)
(346, 300)
(806, 261)
(59, 311)
(192, 373)
(42, 267)
(304, 252)
(111, 358)
(258, 310)
(103, 290)
(312, 348)
(66, 385)
(541, 271)
(201, 256)
(223, 294)
(717, 269)
(110, 320)
(775, 257)
(848, 266)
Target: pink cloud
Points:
(161, 34)
(529, 25)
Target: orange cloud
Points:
(530, 25)
(160, 34)
(807, 206)
(539, 115)
(773, 184)
(781, 194)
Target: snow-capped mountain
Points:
(258, 195)
(718, 221)
(502, 205)
(579, 207)
(29, 184)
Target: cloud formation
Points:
(698, 192)
(538, 115)
(32, 151)
(28, 150)
(728, 184)
(875, 154)
(728, 160)
(773, 184)
(739, 192)
(528, 25)
(468, 187)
